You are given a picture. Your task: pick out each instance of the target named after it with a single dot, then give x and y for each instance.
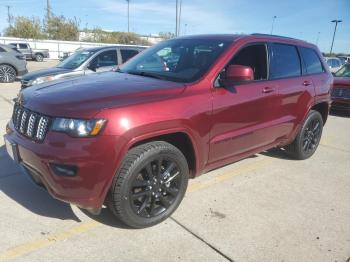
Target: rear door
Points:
(296, 91)
(315, 69)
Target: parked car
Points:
(131, 139)
(83, 62)
(344, 59)
(32, 54)
(341, 89)
(12, 64)
(334, 63)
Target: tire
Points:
(7, 74)
(39, 57)
(308, 138)
(143, 195)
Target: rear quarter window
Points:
(312, 61)
(284, 61)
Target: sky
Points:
(304, 19)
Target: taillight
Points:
(21, 57)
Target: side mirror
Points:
(238, 73)
(92, 67)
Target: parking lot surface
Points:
(264, 208)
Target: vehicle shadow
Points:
(276, 153)
(107, 218)
(18, 187)
(339, 113)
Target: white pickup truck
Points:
(31, 54)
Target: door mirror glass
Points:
(238, 73)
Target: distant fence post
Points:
(58, 51)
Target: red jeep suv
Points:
(132, 138)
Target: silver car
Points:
(12, 64)
(82, 62)
(334, 63)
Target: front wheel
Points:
(7, 74)
(39, 57)
(308, 138)
(150, 184)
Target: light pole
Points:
(318, 37)
(335, 30)
(273, 23)
(128, 15)
(177, 16)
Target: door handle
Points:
(267, 90)
(307, 83)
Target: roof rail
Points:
(280, 36)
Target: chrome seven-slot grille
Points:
(341, 92)
(30, 124)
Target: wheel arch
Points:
(323, 109)
(180, 139)
(11, 66)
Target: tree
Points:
(25, 27)
(100, 36)
(61, 28)
(166, 35)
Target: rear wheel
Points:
(308, 138)
(150, 184)
(39, 57)
(7, 74)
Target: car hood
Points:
(45, 72)
(86, 96)
(341, 82)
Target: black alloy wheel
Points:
(149, 185)
(7, 74)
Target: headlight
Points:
(77, 127)
(43, 79)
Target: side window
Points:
(284, 62)
(254, 56)
(106, 58)
(23, 46)
(336, 63)
(127, 54)
(2, 49)
(312, 61)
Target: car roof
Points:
(98, 48)
(255, 36)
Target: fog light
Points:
(64, 170)
(8, 129)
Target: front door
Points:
(243, 113)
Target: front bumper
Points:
(94, 159)
(341, 104)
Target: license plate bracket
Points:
(12, 150)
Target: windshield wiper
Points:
(146, 74)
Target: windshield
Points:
(76, 59)
(179, 60)
(344, 71)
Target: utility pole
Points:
(9, 16)
(176, 23)
(48, 10)
(273, 23)
(335, 30)
(128, 15)
(179, 20)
